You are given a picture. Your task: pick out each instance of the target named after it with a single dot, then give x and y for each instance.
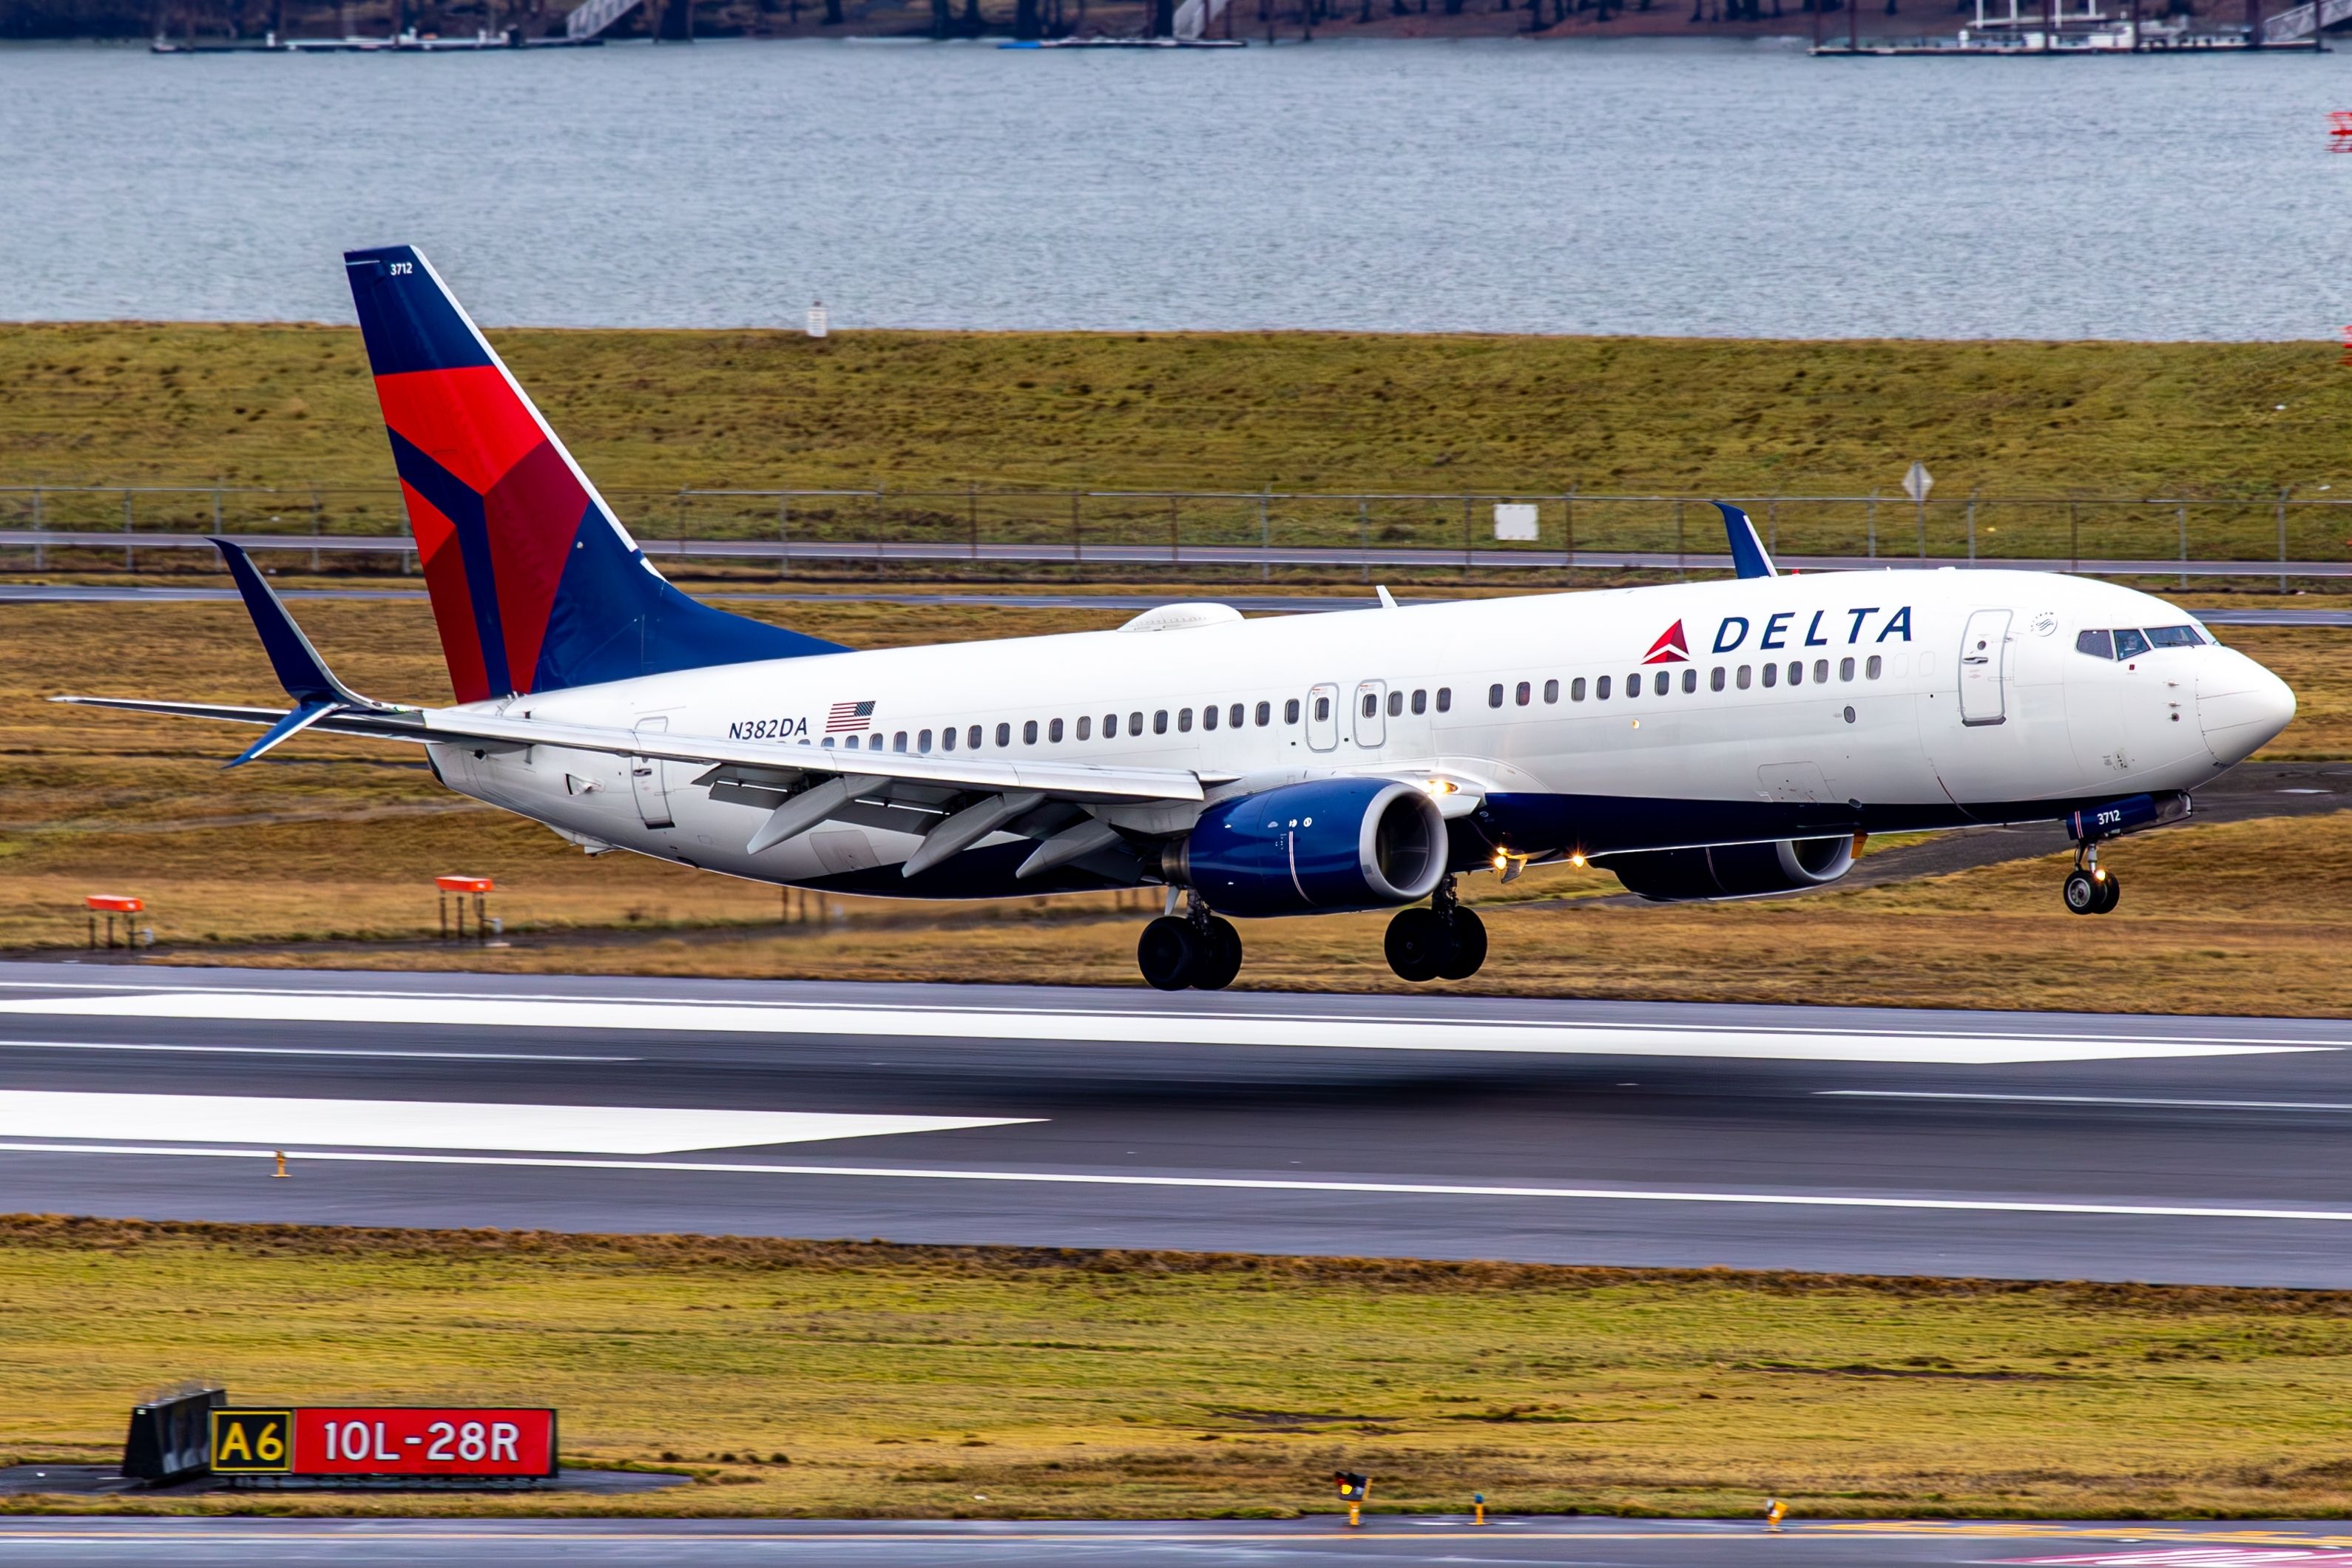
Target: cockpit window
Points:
(2126, 643)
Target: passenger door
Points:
(1323, 718)
(1984, 658)
(1371, 724)
(649, 780)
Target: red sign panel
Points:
(405, 1440)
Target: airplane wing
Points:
(953, 802)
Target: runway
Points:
(1880, 1140)
(1218, 1543)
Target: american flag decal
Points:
(847, 718)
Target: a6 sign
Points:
(384, 1440)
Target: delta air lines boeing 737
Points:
(1702, 741)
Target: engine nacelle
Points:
(1734, 870)
(1330, 844)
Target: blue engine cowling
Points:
(1332, 844)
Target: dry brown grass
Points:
(836, 1378)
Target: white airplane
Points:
(1713, 740)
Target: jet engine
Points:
(1328, 844)
(1734, 870)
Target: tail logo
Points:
(1670, 649)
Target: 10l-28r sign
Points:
(394, 1440)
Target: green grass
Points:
(930, 415)
(867, 1379)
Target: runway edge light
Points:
(1353, 1490)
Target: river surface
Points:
(1684, 188)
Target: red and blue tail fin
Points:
(535, 585)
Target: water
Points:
(1660, 187)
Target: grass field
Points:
(868, 1380)
(335, 844)
(651, 413)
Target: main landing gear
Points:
(1443, 941)
(2089, 890)
(1195, 949)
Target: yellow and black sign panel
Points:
(253, 1442)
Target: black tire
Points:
(2082, 894)
(1167, 953)
(2111, 893)
(1416, 943)
(1466, 950)
(1220, 958)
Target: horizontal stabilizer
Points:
(1749, 556)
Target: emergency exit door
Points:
(1371, 724)
(1323, 718)
(650, 779)
(1984, 658)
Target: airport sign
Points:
(384, 1440)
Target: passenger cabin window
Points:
(1396, 703)
(923, 741)
(1821, 672)
(1183, 721)
(899, 742)
(1160, 721)
(1421, 701)
(1601, 690)
(852, 742)
(1523, 692)
(1029, 732)
(1845, 669)
(1264, 714)
(1633, 684)
(1690, 680)
(948, 738)
(1234, 716)
(1494, 695)
(1004, 734)
(1110, 727)
(971, 738)
(1135, 724)
(1796, 672)
(1445, 699)
(1290, 710)
(1322, 708)
(1714, 679)
(1660, 682)
(1208, 717)
(1744, 672)
(1085, 726)
(1576, 689)
(1771, 675)
(1054, 732)
(1371, 704)
(1551, 691)
(1875, 665)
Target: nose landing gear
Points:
(2090, 890)
(1443, 941)
(1196, 950)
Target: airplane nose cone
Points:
(2240, 705)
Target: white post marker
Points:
(817, 324)
(1916, 482)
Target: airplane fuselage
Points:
(1597, 722)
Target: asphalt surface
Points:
(1876, 1141)
(1257, 604)
(1221, 1544)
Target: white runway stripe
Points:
(1234, 1184)
(436, 1124)
(2086, 1100)
(302, 1051)
(1141, 1026)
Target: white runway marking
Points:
(1229, 1184)
(303, 1051)
(2086, 1100)
(436, 1124)
(1142, 1026)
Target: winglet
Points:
(1748, 554)
(300, 670)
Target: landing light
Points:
(1576, 859)
(1443, 786)
(1502, 860)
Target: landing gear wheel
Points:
(2084, 895)
(2111, 893)
(1465, 947)
(1168, 953)
(1220, 957)
(1416, 943)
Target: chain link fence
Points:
(1079, 534)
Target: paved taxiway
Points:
(1218, 1543)
(2023, 1145)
